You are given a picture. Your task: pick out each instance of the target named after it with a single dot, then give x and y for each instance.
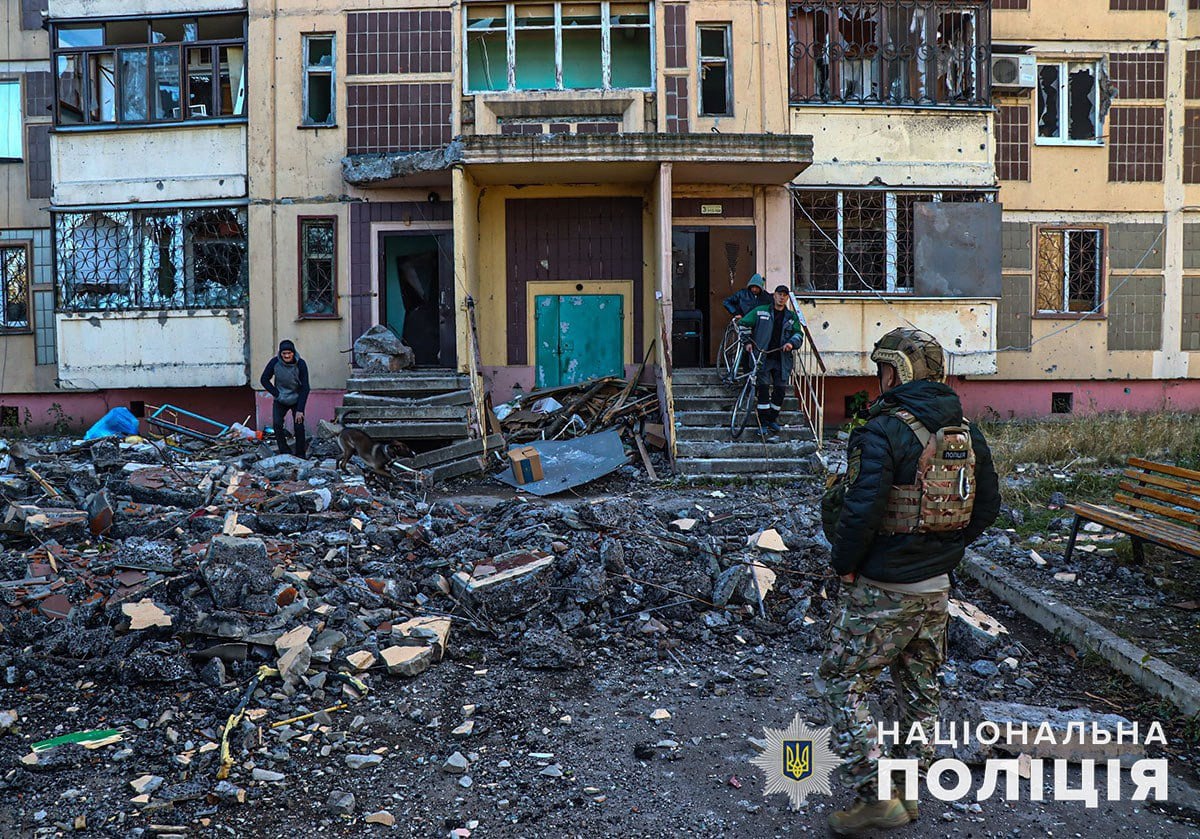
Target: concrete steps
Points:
(705, 449)
(421, 404)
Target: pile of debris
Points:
(578, 409)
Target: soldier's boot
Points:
(869, 815)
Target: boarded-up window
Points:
(1191, 88)
(1012, 142)
(1137, 5)
(1135, 151)
(1013, 5)
(1070, 265)
(675, 34)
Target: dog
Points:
(378, 456)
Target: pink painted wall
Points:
(319, 407)
(987, 399)
(80, 410)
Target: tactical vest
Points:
(943, 496)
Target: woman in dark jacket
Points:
(290, 389)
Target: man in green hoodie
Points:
(895, 569)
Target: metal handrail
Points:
(808, 378)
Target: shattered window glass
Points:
(153, 259)
(318, 280)
(1069, 270)
(1068, 101)
(14, 273)
(916, 52)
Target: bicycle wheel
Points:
(743, 409)
(728, 355)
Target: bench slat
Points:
(1160, 481)
(1160, 495)
(1165, 468)
(1174, 536)
(1168, 512)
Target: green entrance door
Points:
(578, 337)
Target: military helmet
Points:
(916, 355)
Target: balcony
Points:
(885, 53)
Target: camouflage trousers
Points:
(876, 629)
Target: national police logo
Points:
(798, 760)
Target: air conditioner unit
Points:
(1014, 71)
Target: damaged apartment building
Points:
(1098, 158)
(593, 177)
(559, 191)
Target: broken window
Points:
(558, 46)
(1068, 102)
(151, 259)
(920, 52)
(10, 120)
(1070, 270)
(164, 70)
(716, 82)
(319, 59)
(860, 241)
(318, 277)
(14, 274)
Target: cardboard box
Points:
(655, 435)
(526, 464)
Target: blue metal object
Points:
(157, 421)
(578, 337)
(571, 463)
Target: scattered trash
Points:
(119, 422)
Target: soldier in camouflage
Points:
(896, 585)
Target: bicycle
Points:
(746, 405)
(731, 352)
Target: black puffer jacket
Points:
(887, 452)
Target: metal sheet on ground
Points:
(571, 463)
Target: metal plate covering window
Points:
(117, 260)
(868, 231)
(156, 70)
(14, 273)
(318, 261)
(559, 46)
(10, 120)
(716, 70)
(1070, 270)
(918, 52)
(1068, 103)
(319, 84)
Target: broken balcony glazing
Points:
(116, 260)
(921, 53)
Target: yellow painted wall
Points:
(1076, 20)
(492, 272)
(17, 211)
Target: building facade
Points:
(27, 328)
(1098, 123)
(555, 191)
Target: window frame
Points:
(821, 58)
(606, 28)
(85, 55)
(703, 63)
(848, 283)
(301, 222)
(27, 246)
(1101, 230)
(20, 114)
(1064, 103)
(307, 71)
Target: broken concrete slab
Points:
(407, 660)
(238, 573)
(429, 630)
(511, 583)
(361, 660)
(1065, 746)
(293, 638)
(145, 614)
(294, 663)
(769, 540)
(972, 632)
(379, 351)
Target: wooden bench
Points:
(1161, 506)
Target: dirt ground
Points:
(564, 750)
